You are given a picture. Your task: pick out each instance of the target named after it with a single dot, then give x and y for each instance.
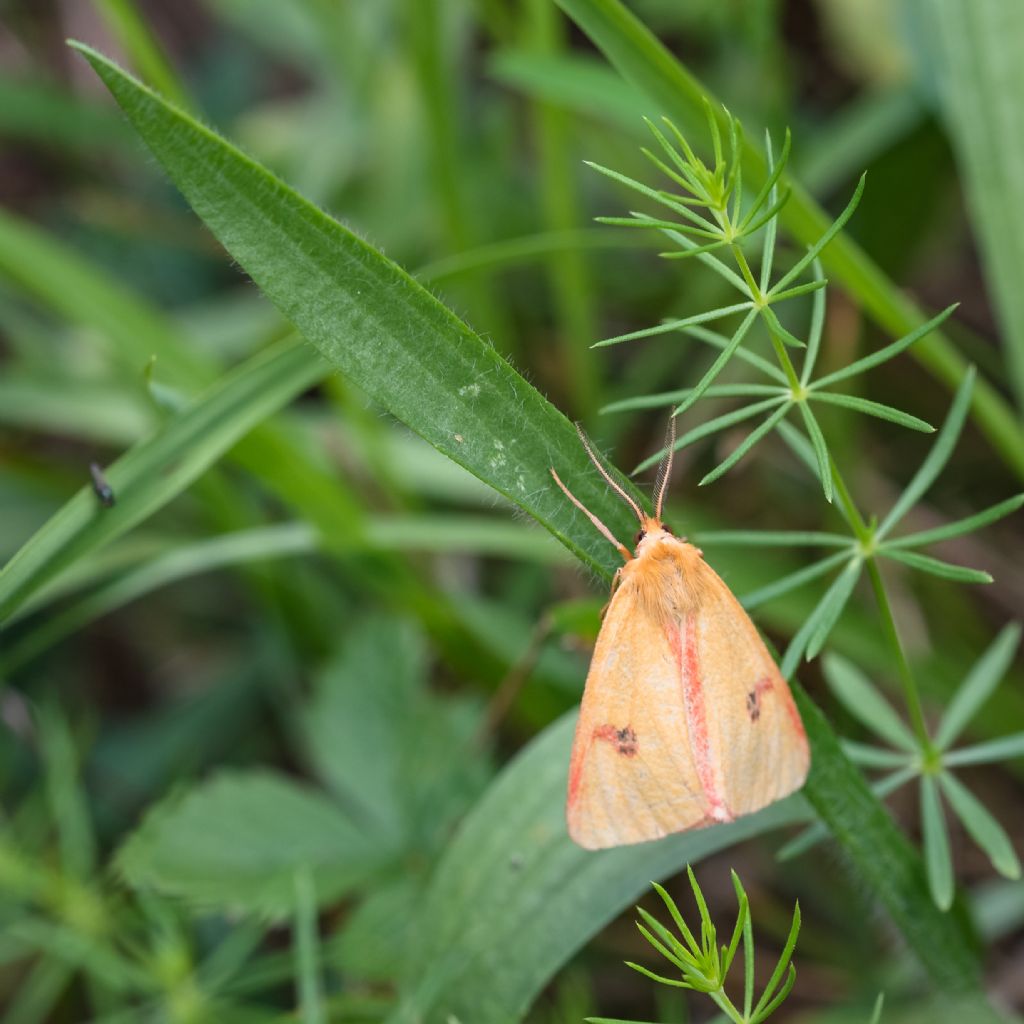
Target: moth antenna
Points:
(622, 549)
(665, 468)
(611, 483)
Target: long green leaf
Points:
(514, 897)
(862, 700)
(972, 49)
(157, 470)
(986, 831)
(380, 327)
(673, 90)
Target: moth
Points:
(686, 720)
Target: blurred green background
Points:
(359, 620)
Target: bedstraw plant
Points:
(288, 701)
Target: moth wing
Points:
(756, 742)
(632, 775)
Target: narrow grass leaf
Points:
(514, 898)
(383, 330)
(865, 703)
(868, 756)
(889, 351)
(801, 289)
(936, 567)
(819, 623)
(674, 325)
(960, 527)
(746, 444)
(979, 685)
(814, 834)
(937, 858)
(307, 950)
(876, 409)
(709, 427)
(816, 249)
(1006, 748)
(158, 469)
(793, 580)
(666, 398)
(816, 328)
(716, 367)
(713, 263)
(938, 456)
(984, 829)
(772, 538)
(720, 341)
(645, 190)
(821, 455)
(767, 190)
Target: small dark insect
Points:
(99, 484)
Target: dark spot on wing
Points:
(753, 705)
(624, 740)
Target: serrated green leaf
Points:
(862, 700)
(936, 567)
(234, 843)
(985, 830)
(937, 859)
(978, 685)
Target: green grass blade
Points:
(887, 352)
(648, 65)
(936, 567)
(979, 685)
(938, 456)
(675, 325)
(876, 409)
(372, 321)
(513, 898)
(793, 580)
(760, 431)
(816, 328)
(719, 365)
(819, 623)
(707, 428)
(972, 50)
(158, 469)
(134, 35)
(937, 858)
(1006, 748)
(884, 859)
(819, 246)
(307, 950)
(180, 563)
(669, 398)
(862, 700)
(772, 538)
(821, 455)
(984, 829)
(719, 341)
(960, 527)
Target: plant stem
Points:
(910, 691)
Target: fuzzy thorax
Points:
(667, 575)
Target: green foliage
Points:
(704, 965)
(241, 784)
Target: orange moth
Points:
(686, 720)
